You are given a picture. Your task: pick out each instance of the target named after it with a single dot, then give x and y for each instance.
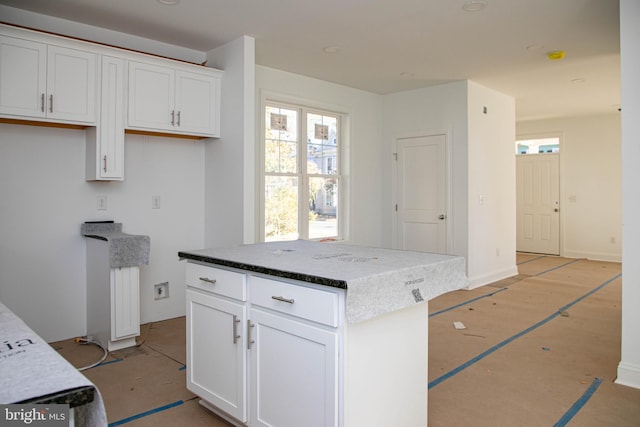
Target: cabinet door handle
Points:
(178, 119)
(206, 279)
(42, 102)
(51, 103)
(235, 329)
(249, 340)
(173, 117)
(283, 299)
(104, 159)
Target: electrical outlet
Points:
(155, 202)
(161, 290)
(101, 203)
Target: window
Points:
(301, 173)
(538, 146)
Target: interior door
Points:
(538, 203)
(421, 180)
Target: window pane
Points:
(281, 134)
(281, 208)
(322, 144)
(538, 146)
(323, 207)
(280, 156)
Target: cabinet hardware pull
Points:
(105, 163)
(51, 103)
(283, 299)
(42, 102)
(235, 329)
(206, 279)
(173, 117)
(178, 118)
(249, 340)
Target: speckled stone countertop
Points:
(377, 280)
(125, 250)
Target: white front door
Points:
(421, 194)
(538, 203)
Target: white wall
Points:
(365, 174)
(435, 110)
(590, 183)
(482, 164)
(54, 25)
(629, 367)
(492, 186)
(230, 160)
(45, 198)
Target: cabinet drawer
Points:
(307, 303)
(217, 280)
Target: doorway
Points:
(421, 194)
(538, 203)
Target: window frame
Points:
(301, 167)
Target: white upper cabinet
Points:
(105, 142)
(174, 99)
(47, 82)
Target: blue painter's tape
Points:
(109, 362)
(144, 414)
(518, 335)
(467, 302)
(532, 259)
(557, 267)
(579, 403)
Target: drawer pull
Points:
(283, 299)
(206, 279)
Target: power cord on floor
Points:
(88, 340)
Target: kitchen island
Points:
(290, 334)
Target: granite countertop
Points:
(125, 250)
(376, 280)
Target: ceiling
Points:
(385, 46)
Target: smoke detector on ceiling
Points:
(474, 5)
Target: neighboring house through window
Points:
(301, 173)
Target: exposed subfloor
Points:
(538, 349)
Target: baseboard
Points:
(594, 256)
(476, 282)
(628, 375)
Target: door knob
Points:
(443, 216)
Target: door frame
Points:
(561, 189)
(448, 183)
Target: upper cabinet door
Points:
(47, 82)
(151, 97)
(196, 103)
(23, 68)
(71, 84)
(174, 100)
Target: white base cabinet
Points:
(113, 299)
(275, 352)
(216, 356)
(294, 373)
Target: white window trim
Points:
(344, 196)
